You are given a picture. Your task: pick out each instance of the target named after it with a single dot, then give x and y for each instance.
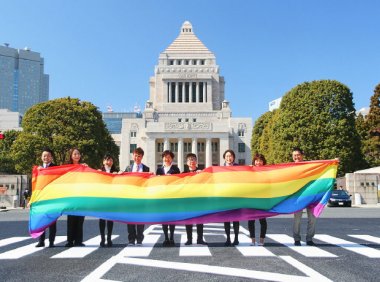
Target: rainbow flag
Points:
(216, 194)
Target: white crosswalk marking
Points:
(247, 250)
(369, 238)
(350, 246)
(27, 250)
(12, 240)
(193, 250)
(80, 252)
(141, 251)
(307, 251)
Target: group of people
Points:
(136, 231)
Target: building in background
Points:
(9, 120)
(23, 82)
(186, 111)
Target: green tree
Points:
(258, 130)
(371, 141)
(7, 164)
(319, 117)
(61, 124)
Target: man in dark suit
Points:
(168, 168)
(136, 231)
(47, 161)
(192, 165)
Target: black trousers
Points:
(52, 233)
(227, 229)
(102, 228)
(135, 233)
(75, 229)
(189, 232)
(263, 228)
(165, 228)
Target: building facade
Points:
(186, 111)
(22, 79)
(10, 120)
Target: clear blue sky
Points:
(105, 51)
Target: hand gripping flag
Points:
(216, 194)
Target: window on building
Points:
(132, 147)
(194, 92)
(179, 62)
(241, 132)
(187, 90)
(202, 62)
(171, 62)
(187, 147)
(133, 133)
(201, 147)
(241, 147)
(214, 147)
(180, 92)
(186, 120)
(194, 120)
(160, 147)
(174, 147)
(179, 120)
(241, 161)
(186, 62)
(194, 62)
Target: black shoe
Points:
(139, 243)
(236, 242)
(131, 243)
(166, 243)
(51, 245)
(172, 243)
(109, 243)
(40, 245)
(188, 242)
(201, 242)
(310, 243)
(227, 243)
(79, 245)
(102, 244)
(69, 245)
(297, 243)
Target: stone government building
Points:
(186, 111)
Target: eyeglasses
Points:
(191, 159)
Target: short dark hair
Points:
(259, 157)
(108, 156)
(167, 152)
(191, 155)
(298, 149)
(229, 151)
(47, 149)
(138, 151)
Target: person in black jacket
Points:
(192, 165)
(47, 161)
(229, 160)
(136, 231)
(109, 167)
(166, 169)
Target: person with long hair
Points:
(258, 160)
(75, 222)
(109, 167)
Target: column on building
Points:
(183, 91)
(209, 91)
(208, 152)
(176, 92)
(223, 146)
(204, 92)
(170, 92)
(180, 154)
(166, 144)
(197, 92)
(194, 146)
(191, 92)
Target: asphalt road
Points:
(348, 249)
